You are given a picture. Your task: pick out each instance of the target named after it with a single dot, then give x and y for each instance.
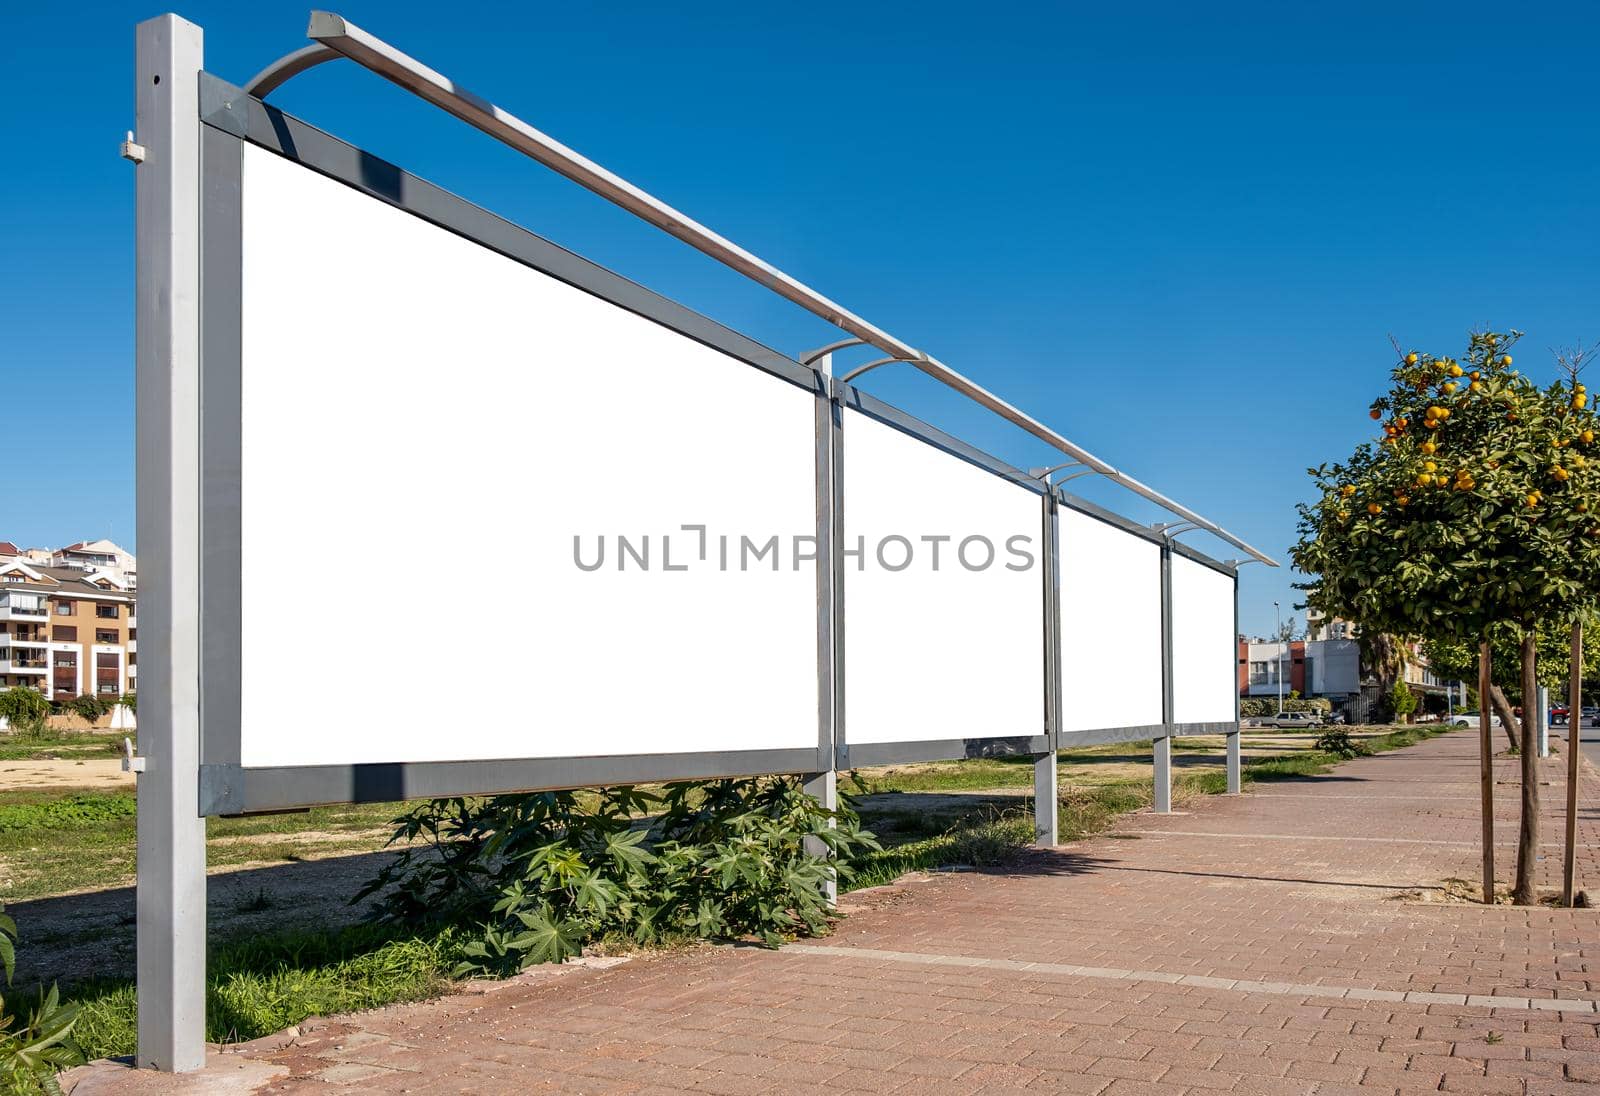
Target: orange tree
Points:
(1478, 509)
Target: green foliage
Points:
(37, 1043)
(1480, 506)
(1402, 701)
(1337, 741)
(24, 709)
(1257, 706)
(129, 701)
(1457, 660)
(89, 706)
(541, 875)
(67, 812)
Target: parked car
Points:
(1292, 721)
(1558, 715)
(1470, 719)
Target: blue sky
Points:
(1180, 234)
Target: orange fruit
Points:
(1374, 508)
(1411, 358)
(1375, 413)
(1505, 359)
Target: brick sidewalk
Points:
(1265, 943)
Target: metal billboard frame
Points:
(193, 127)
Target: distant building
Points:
(67, 631)
(1320, 626)
(1329, 668)
(98, 555)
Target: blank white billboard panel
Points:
(1205, 651)
(427, 426)
(950, 644)
(1110, 611)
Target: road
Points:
(1589, 738)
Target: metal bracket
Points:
(130, 762)
(132, 150)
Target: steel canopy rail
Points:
(333, 37)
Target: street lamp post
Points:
(1276, 608)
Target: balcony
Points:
(26, 641)
(23, 666)
(10, 611)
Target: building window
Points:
(106, 612)
(66, 608)
(64, 633)
(102, 635)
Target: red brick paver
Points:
(1269, 943)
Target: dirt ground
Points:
(99, 774)
(74, 937)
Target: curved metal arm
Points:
(1169, 529)
(1046, 473)
(289, 66)
(1238, 563)
(814, 356)
(860, 369)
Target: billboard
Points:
(941, 571)
(470, 500)
(1110, 625)
(1205, 650)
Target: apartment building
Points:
(1328, 668)
(67, 631)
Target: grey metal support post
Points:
(171, 901)
(1161, 793)
(1234, 763)
(823, 785)
(1046, 799)
(824, 788)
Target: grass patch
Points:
(256, 987)
(54, 841)
(66, 812)
(920, 841)
(46, 743)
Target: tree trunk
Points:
(1486, 772)
(1525, 892)
(1502, 708)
